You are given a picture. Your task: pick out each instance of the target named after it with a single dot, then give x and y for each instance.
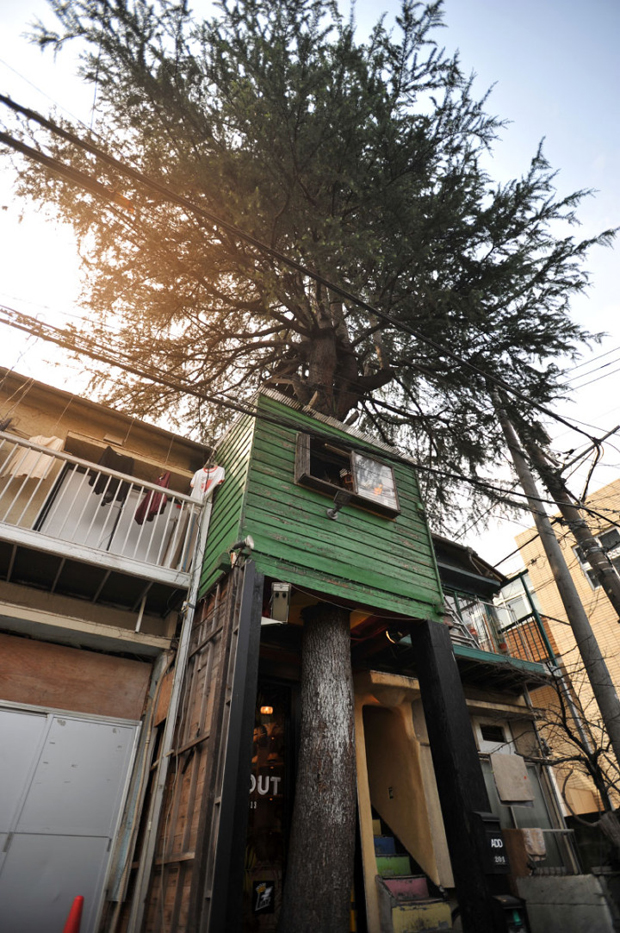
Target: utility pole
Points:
(590, 546)
(587, 645)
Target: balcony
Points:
(489, 635)
(70, 526)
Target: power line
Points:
(598, 378)
(25, 323)
(593, 359)
(81, 178)
(46, 95)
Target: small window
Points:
(327, 467)
(492, 733)
(493, 736)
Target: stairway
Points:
(404, 902)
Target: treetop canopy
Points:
(362, 159)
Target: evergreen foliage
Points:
(364, 160)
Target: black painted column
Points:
(460, 781)
(226, 907)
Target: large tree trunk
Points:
(320, 863)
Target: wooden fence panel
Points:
(188, 847)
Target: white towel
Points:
(33, 463)
(534, 842)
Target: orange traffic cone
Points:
(75, 916)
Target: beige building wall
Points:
(86, 428)
(604, 619)
(31, 409)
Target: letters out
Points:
(263, 784)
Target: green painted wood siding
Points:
(234, 455)
(377, 562)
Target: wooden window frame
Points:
(304, 477)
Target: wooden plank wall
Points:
(376, 561)
(188, 822)
(59, 677)
(234, 455)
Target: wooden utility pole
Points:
(590, 546)
(594, 663)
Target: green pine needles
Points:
(362, 160)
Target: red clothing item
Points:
(153, 503)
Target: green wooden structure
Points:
(378, 561)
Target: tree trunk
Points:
(320, 863)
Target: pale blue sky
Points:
(556, 71)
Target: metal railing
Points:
(474, 622)
(89, 506)
(495, 629)
(525, 640)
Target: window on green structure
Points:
(328, 467)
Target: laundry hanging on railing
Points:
(205, 480)
(153, 503)
(33, 463)
(113, 489)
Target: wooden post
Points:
(593, 661)
(460, 782)
(590, 546)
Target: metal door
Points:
(63, 779)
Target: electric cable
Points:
(598, 378)
(593, 359)
(46, 332)
(81, 178)
(251, 410)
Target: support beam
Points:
(226, 903)
(460, 782)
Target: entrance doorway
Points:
(270, 797)
(395, 781)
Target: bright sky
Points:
(556, 72)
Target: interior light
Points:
(266, 710)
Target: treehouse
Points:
(313, 511)
(138, 613)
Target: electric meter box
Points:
(280, 600)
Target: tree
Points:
(578, 745)
(363, 161)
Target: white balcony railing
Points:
(61, 504)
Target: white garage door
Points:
(62, 781)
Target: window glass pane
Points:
(267, 832)
(610, 539)
(374, 481)
(480, 619)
